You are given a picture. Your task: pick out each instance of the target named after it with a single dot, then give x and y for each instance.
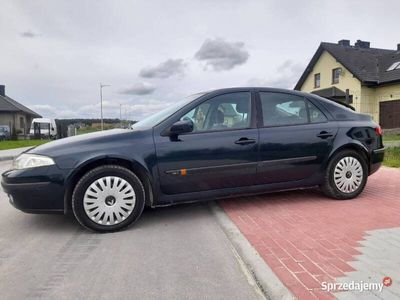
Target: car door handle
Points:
(245, 141)
(324, 134)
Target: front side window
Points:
(280, 109)
(317, 80)
(160, 116)
(224, 112)
(335, 75)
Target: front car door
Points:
(295, 138)
(221, 152)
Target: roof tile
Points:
(369, 65)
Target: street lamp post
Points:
(101, 103)
(120, 115)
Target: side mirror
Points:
(181, 127)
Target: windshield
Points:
(160, 116)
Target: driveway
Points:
(171, 253)
(308, 239)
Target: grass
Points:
(87, 130)
(391, 137)
(392, 157)
(4, 145)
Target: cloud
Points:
(287, 75)
(44, 109)
(111, 109)
(166, 69)
(131, 111)
(142, 109)
(140, 88)
(221, 55)
(292, 67)
(28, 34)
(60, 112)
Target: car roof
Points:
(261, 89)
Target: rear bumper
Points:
(38, 190)
(376, 159)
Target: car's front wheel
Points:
(346, 175)
(108, 198)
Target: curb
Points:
(267, 281)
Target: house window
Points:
(317, 80)
(335, 75)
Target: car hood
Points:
(84, 142)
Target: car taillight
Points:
(378, 131)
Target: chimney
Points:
(398, 47)
(2, 90)
(344, 42)
(362, 44)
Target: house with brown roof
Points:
(365, 77)
(17, 116)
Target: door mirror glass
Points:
(181, 127)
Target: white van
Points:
(44, 125)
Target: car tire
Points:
(108, 198)
(345, 176)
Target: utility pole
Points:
(101, 103)
(120, 114)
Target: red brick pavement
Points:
(307, 238)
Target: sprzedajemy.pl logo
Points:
(358, 286)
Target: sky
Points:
(54, 54)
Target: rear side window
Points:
(316, 116)
(279, 109)
(283, 109)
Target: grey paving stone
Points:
(380, 257)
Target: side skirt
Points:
(167, 200)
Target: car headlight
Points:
(27, 160)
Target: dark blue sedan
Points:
(211, 145)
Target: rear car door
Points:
(221, 152)
(295, 138)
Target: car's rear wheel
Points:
(346, 175)
(108, 198)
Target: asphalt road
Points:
(170, 253)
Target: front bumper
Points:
(376, 159)
(36, 190)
